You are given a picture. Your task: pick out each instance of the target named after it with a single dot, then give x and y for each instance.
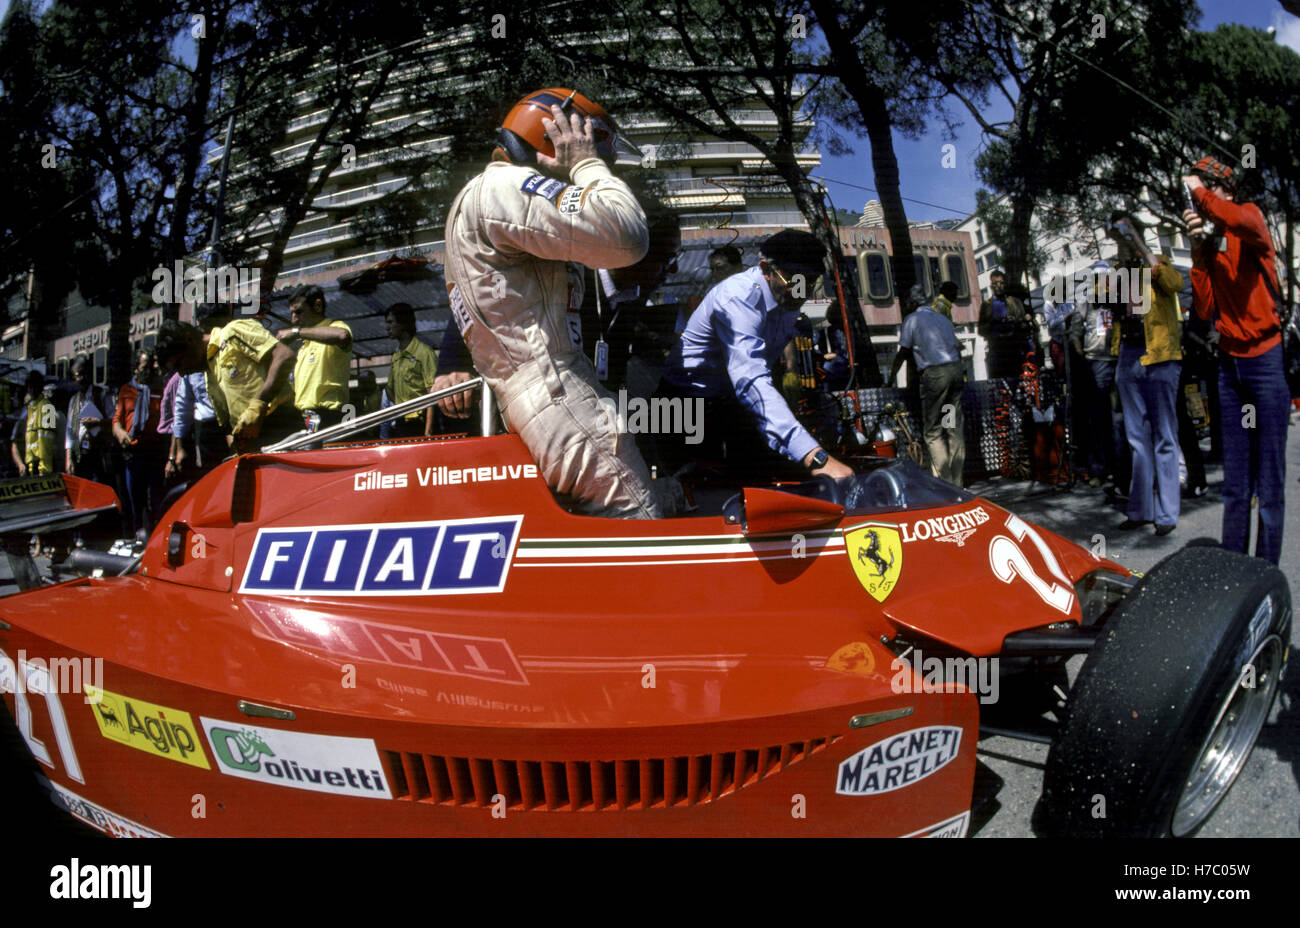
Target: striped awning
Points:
(719, 200)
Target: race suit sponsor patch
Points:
(541, 186)
(954, 827)
(458, 310)
(322, 763)
(572, 200)
(147, 727)
(386, 559)
(899, 760)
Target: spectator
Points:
(320, 372)
(947, 296)
(198, 441)
(412, 374)
(168, 406)
(1053, 321)
(1004, 326)
(366, 396)
(1093, 375)
(931, 339)
(724, 261)
(89, 433)
(35, 434)
(1237, 287)
(1150, 360)
(1199, 367)
(135, 426)
(835, 349)
(247, 376)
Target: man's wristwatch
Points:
(297, 332)
(819, 459)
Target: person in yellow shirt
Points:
(247, 376)
(37, 432)
(1148, 338)
(944, 301)
(320, 373)
(414, 367)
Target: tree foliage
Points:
(107, 86)
(1063, 69)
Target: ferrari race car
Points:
(415, 638)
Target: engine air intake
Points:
(590, 786)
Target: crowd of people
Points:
(1137, 360)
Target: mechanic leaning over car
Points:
(728, 349)
(515, 237)
(247, 375)
(320, 372)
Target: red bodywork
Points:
(608, 677)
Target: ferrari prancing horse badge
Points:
(876, 553)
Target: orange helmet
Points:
(522, 136)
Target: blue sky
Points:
(922, 176)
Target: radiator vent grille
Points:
(590, 786)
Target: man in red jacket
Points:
(1234, 279)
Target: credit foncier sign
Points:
(86, 342)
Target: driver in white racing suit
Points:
(514, 236)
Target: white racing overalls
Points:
(514, 237)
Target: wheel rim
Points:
(1236, 726)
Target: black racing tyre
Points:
(1163, 716)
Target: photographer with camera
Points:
(1148, 331)
(1234, 280)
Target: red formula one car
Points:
(416, 639)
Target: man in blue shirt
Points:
(198, 441)
(729, 346)
(931, 338)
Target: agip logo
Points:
(147, 727)
(876, 552)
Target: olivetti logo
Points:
(297, 759)
(248, 748)
(389, 559)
